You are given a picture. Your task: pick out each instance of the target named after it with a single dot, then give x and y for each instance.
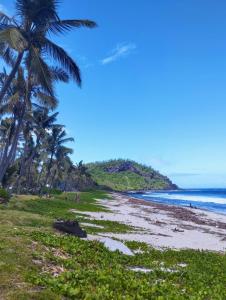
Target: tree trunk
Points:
(53, 179)
(11, 76)
(5, 153)
(8, 160)
(47, 174)
(30, 160)
(39, 185)
(21, 170)
(49, 168)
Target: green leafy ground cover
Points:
(36, 262)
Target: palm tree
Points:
(22, 96)
(62, 163)
(27, 35)
(15, 107)
(42, 122)
(56, 139)
(19, 103)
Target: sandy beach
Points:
(163, 226)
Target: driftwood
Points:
(178, 230)
(71, 227)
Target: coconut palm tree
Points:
(61, 165)
(15, 107)
(42, 122)
(57, 138)
(27, 34)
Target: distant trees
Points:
(32, 150)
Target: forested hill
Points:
(125, 175)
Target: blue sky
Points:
(154, 85)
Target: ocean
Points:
(208, 199)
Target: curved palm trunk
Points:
(47, 174)
(11, 76)
(31, 158)
(49, 168)
(5, 163)
(6, 150)
(11, 155)
(53, 179)
(21, 170)
(25, 167)
(39, 184)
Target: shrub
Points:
(4, 196)
(55, 192)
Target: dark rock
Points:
(71, 227)
(123, 167)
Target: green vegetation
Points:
(36, 262)
(4, 196)
(124, 175)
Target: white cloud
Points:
(120, 51)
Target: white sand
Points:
(155, 225)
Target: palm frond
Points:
(5, 109)
(47, 100)
(13, 37)
(4, 19)
(37, 107)
(66, 140)
(6, 53)
(59, 74)
(61, 133)
(48, 122)
(61, 26)
(38, 12)
(9, 57)
(14, 99)
(40, 70)
(60, 55)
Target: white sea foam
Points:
(219, 200)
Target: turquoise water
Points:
(209, 199)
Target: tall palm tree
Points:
(15, 107)
(27, 33)
(19, 102)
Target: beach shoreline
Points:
(210, 200)
(161, 204)
(163, 226)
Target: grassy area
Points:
(36, 262)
